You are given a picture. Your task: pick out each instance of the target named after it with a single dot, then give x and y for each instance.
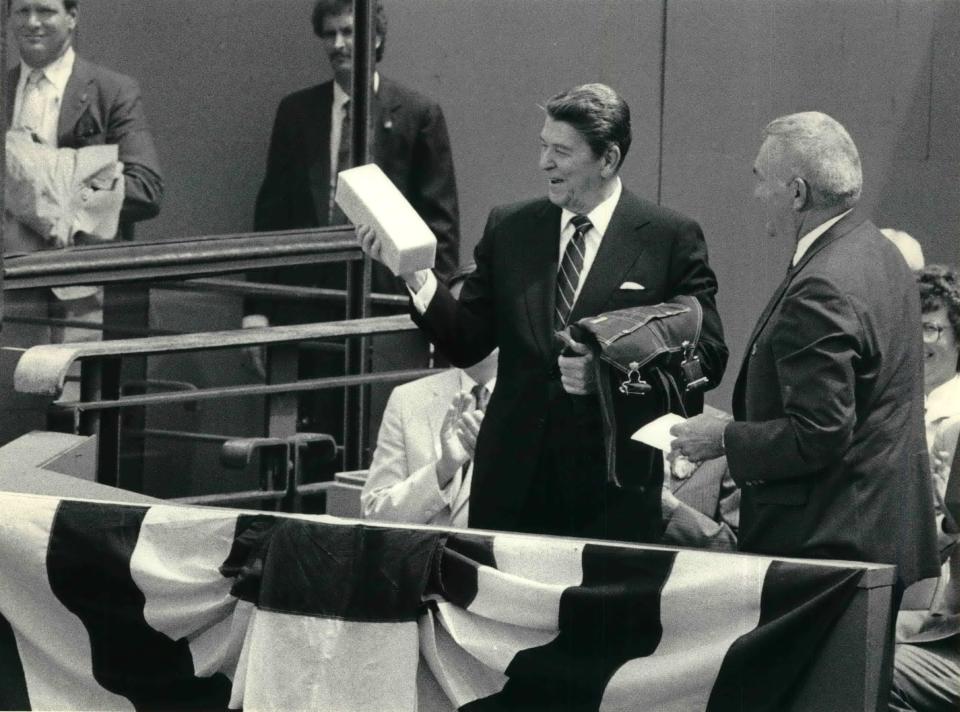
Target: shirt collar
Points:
(600, 216)
(340, 97)
(803, 244)
(944, 400)
(57, 72)
(467, 383)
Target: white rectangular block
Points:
(368, 197)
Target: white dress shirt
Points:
(803, 244)
(599, 220)
(340, 97)
(52, 87)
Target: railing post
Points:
(281, 408)
(127, 306)
(100, 380)
(356, 400)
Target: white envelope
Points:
(656, 433)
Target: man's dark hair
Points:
(322, 8)
(598, 113)
(940, 287)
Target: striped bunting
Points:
(561, 625)
(568, 276)
(117, 607)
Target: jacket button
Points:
(553, 373)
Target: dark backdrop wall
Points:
(213, 72)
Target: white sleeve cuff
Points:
(422, 298)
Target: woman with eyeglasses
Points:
(940, 307)
(926, 670)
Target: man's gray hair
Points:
(816, 148)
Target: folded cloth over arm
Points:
(56, 193)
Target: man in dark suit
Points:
(828, 440)
(308, 146)
(590, 246)
(70, 102)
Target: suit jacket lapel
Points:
(538, 250)
(76, 97)
(13, 76)
(386, 101)
(618, 251)
(316, 137)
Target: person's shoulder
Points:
(658, 215)
(523, 209)
(308, 95)
(400, 94)
(444, 380)
(105, 77)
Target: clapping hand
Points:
(458, 437)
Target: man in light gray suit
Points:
(422, 466)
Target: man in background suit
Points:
(70, 102)
(422, 465)
(64, 101)
(590, 246)
(828, 443)
(308, 146)
(309, 142)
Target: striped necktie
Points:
(570, 267)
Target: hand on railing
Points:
(255, 357)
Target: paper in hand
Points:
(656, 433)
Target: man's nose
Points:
(340, 41)
(546, 161)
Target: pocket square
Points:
(631, 285)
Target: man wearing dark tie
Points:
(590, 246)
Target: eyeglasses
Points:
(931, 332)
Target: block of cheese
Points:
(368, 197)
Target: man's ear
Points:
(801, 194)
(611, 161)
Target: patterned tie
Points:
(32, 110)
(480, 397)
(343, 162)
(570, 267)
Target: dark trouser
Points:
(570, 495)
